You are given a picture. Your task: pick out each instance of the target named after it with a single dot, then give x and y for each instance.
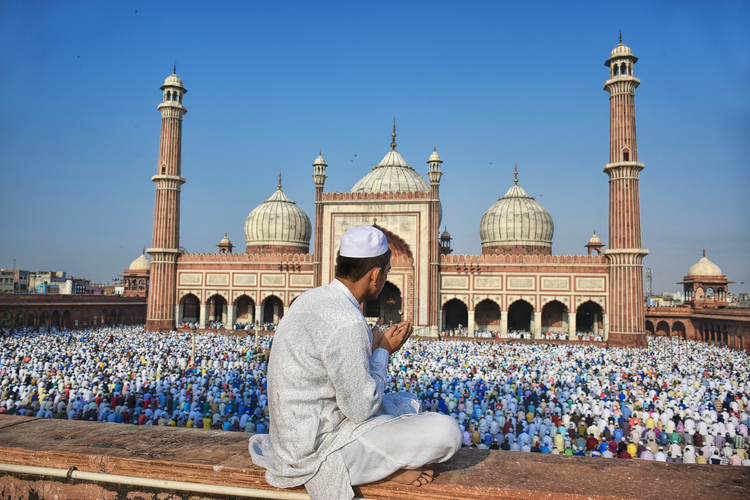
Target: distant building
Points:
(706, 314)
(46, 278)
(666, 299)
(7, 281)
(21, 280)
(46, 289)
(94, 288)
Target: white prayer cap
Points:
(362, 242)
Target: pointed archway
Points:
(190, 309)
(589, 318)
(520, 314)
(487, 316)
(402, 273)
(456, 314)
(245, 309)
(273, 309)
(217, 309)
(553, 316)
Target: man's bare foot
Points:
(416, 477)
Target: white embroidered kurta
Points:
(325, 389)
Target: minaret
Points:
(434, 173)
(168, 180)
(319, 177)
(625, 255)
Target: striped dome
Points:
(516, 219)
(278, 221)
(392, 175)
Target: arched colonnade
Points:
(722, 333)
(72, 317)
(521, 316)
(242, 310)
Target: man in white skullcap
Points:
(330, 425)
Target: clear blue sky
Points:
(271, 83)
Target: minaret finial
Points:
(594, 231)
(515, 173)
(320, 152)
(393, 136)
(174, 71)
(620, 36)
(279, 179)
(144, 250)
(704, 251)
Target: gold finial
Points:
(515, 173)
(594, 231)
(393, 136)
(434, 149)
(144, 250)
(279, 179)
(320, 152)
(704, 251)
(620, 36)
(225, 234)
(174, 71)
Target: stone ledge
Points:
(221, 458)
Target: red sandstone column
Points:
(168, 180)
(433, 304)
(625, 255)
(319, 177)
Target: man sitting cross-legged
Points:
(331, 424)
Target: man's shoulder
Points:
(327, 303)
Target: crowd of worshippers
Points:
(675, 401)
(220, 325)
(132, 376)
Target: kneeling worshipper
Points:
(331, 425)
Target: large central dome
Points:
(516, 224)
(391, 175)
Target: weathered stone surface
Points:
(221, 458)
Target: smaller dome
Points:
(319, 161)
(594, 240)
(142, 263)
(225, 240)
(278, 221)
(446, 235)
(516, 219)
(173, 81)
(704, 267)
(621, 50)
(434, 157)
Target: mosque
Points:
(515, 284)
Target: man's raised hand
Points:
(395, 337)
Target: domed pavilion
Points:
(705, 285)
(135, 279)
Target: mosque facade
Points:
(515, 284)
